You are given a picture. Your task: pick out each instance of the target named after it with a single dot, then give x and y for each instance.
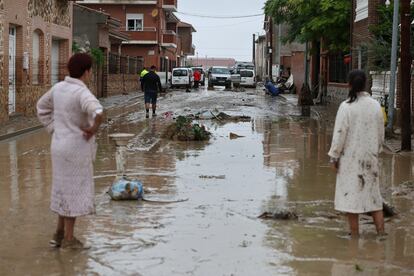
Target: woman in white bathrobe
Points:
(357, 141)
(72, 114)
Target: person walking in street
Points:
(142, 75)
(152, 85)
(197, 78)
(72, 114)
(356, 144)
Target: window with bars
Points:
(338, 69)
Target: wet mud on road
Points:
(280, 162)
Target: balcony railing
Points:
(146, 36)
(169, 39)
(170, 5)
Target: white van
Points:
(181, 77)
(248, 78)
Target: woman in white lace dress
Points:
(356, 144)
(72, 114)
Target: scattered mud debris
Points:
(225, 117)
(212, 176)
(184, 130)
(279, 215)
(234, 136)
(389, 210)
(404, 189)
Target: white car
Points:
(182, 77)
(247, 78)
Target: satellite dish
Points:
(154, 13)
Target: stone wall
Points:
(50, 19)
(28, 97)
(3, 93)
(336, 92)
(57, 12)
(122, 83)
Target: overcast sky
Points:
(230, 38)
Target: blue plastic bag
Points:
(126, 189)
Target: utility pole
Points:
(394, 48)
(405, 76)
(254, 49)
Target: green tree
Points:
(314, 20)
(379, 46)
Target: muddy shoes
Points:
(73, 244)
(56, 240)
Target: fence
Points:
(124, 64)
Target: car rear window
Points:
(246, 74)
(180, 73)
(220, 71)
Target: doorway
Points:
(55, 62)
(12, 69)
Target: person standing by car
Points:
(142, 75)
(356, 144)
(72, 114)
(197, 78)
(152, 85)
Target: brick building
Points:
(95, 30)
(209, 62)
(364, 15)
(260, 61)
(185, 32)
(152, 27)
(282, 56)
(35, 39)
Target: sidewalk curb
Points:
(19, 132)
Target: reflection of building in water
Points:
(25, 174)
(297, 150)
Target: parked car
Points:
(220, 76)
(203, 75)
(243, 66)
(181, 77)
(247, 78)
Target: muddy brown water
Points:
(280, 162)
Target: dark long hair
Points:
(357, 81)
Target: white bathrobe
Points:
(357, 141)
(64, 110)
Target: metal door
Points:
(55, 62)
(12, 69)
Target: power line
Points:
(220, 17)
(228, 25)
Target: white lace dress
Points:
(357, 141)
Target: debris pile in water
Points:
(279, 215)
(183, 129)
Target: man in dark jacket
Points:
(152, 85)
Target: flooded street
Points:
(280, 162)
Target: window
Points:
(246, 74)
(135, 22)
(361, 10)
(338, 70)
(180, 73)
